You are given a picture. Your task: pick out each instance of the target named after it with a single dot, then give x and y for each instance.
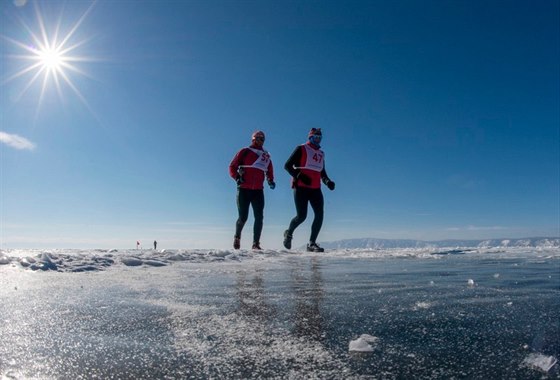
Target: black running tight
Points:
(302, 196)
(255, 198)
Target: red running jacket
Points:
(298, 162)
(253, 177)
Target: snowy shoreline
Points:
(76, 260)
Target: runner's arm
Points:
(234, 164)
(293, 162)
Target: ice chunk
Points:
(27, 261)
(4, 259)
(540, 361)
(131, 261)
(155, 263)
(46, 262)
(470, 282)
(362, 344)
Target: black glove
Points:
(330, 185)
(239, 178)
(304, 178)
(271, 184)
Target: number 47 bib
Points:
(315, 159)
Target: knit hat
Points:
(315, 131)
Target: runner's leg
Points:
(300, 200)
(317, 204)
(243, 201)
(258, 211)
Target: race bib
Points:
(262, 161)
(315, 159)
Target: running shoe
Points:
(287, 239)
(314, 247)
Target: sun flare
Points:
(48, 57)
(51, 59)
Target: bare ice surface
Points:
(180, 314)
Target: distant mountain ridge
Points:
(372, 243)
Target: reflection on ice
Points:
(259, 333)
(308, 291)
(251, 296)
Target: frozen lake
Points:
(216, 314)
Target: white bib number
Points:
(315, 159)
(262, 161)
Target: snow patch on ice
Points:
(362, 344)
(540, 361)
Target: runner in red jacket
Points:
(249, 168)
(306, 165)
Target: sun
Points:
(49, 57)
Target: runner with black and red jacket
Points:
(249, 168)
(306, 165)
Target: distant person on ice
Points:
(249, 168)
(306, 165)
(137, 244)
(155, 245)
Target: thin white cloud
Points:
(16, 141)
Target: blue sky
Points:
(440, 119)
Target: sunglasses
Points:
(259, 138)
